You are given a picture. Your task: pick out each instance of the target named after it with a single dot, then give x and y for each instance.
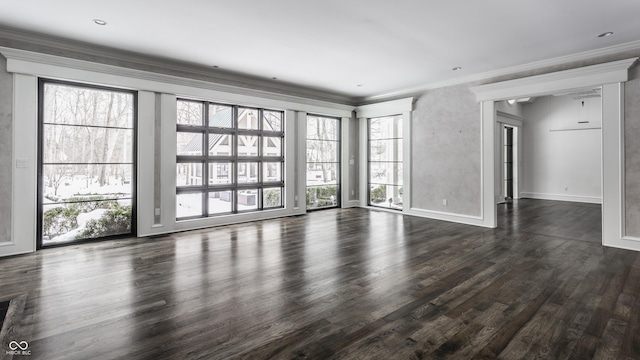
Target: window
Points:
(237, 149)
(323, 162)
(86, 179)
(385, 161)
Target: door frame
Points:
(505, 119)
(610, 77)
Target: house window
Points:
(237, 149)
(385, 161)
(323, 162)
(86, 182)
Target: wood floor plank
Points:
(337, 284)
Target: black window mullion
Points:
(205, 165)
(234, 159)
(236, 148)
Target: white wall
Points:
(561, 157)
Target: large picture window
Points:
(229, 159)
(385, 161)
(86, 162)
(323, 162)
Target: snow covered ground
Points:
(78, 188)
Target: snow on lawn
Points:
(83, 219)
(75, 187)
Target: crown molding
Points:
(593, 75)
(387, 108)
(16, 37)
(57, 67)
(112, 55)
(611, 50)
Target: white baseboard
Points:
(456, 218)
(631, 238)
(562, 197)
(626, 243)
(351, 204)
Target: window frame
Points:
(235, 160)
(338, 163)
(368, 174)
(42, 82)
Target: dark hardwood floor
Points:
(335, 284)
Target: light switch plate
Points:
(22, 163)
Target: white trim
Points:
(44, 65)
(192, 69)
(587, 55)
(384, 209)
(167, 172)
(196, 69)
(145, 168)
(594, 75)
(351, 204)
(613, 165)
(24, 189)
(562, 197)
(364, 162)
(623, 175)
(205, 223)
(168, 119)
(298, 181)
(627, 243)
(445, 216)
(576, 129)
(510, 119)
(609, 76)
(488, 153)
(387, 108)
(345, 173)
(402, 107)
(407, 160)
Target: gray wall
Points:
(446, 144)
(6, 100)
(632, 152)
(445, 148)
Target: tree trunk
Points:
(103, 179)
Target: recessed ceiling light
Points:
(359, 85)
(99, 22)
(457, 68)
(608, 33)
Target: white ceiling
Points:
(335, 45)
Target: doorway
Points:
(561, 173)
(508, 162)
(611, 77)
(508, 177)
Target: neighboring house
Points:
(221, 144)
